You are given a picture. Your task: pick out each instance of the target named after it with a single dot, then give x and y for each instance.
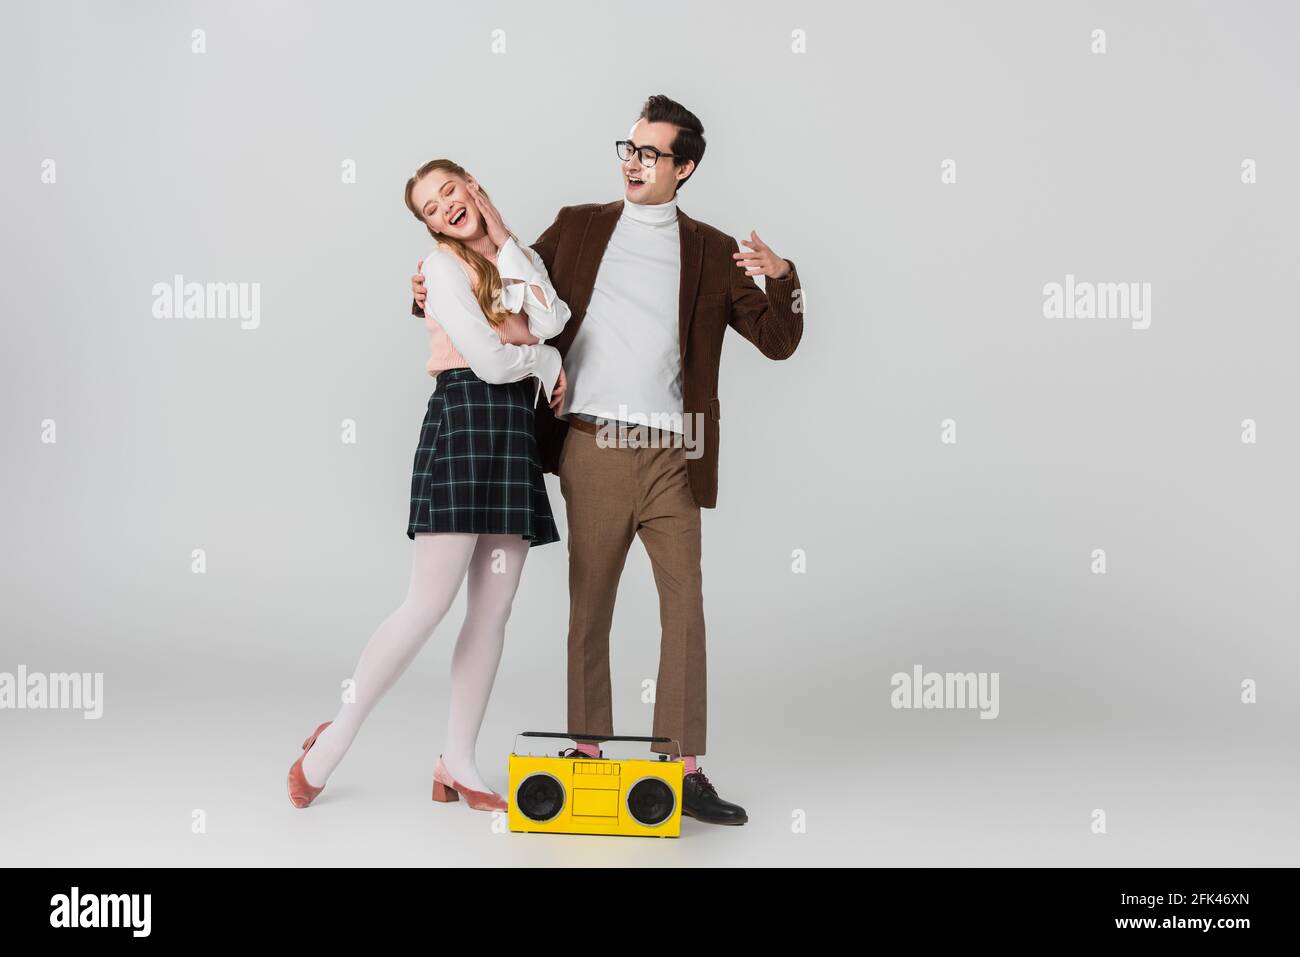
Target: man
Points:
(651, 293)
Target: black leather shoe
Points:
(700, 800)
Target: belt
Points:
(629, 434)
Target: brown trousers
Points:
(612, 494)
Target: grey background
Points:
(1118, 692)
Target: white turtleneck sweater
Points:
(625, 361)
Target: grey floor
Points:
(958, 792)
(1129, 703)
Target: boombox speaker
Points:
(582, 795)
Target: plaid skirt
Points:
(476, 467)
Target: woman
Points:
(478, 500)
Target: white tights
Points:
(442, 561)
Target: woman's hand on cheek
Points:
(492, 222)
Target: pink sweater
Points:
(443, 355)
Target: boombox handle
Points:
(573, 736)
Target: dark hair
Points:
(688, 144)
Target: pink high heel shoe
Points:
(446, 790)
(300, 792)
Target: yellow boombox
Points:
(582, 795)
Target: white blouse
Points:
(450, 301)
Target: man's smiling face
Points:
(656, 184)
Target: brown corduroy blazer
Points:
(714, 294)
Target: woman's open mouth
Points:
(459, 217)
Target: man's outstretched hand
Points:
(760, 259)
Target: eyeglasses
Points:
(648, 155)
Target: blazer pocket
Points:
(711, 304)
(715, 409)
